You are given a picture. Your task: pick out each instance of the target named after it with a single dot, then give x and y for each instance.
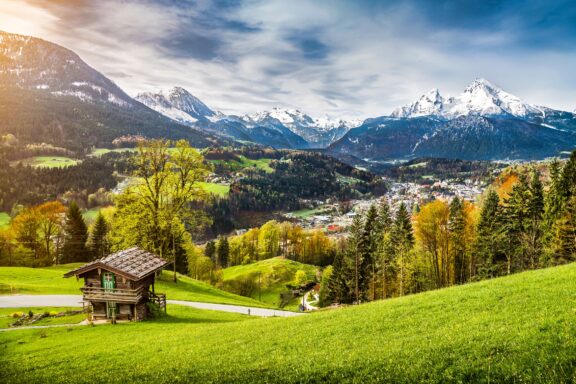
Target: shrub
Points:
(154, 309)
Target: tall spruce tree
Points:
(402, 238)
(98, 240)
(385, 250)
(76, 235)
(371, 236)
(565, 236)
(515, 214)
(210, 251)
(568, 178)
(489, 236)
(338, 284)
(533, 229)
(223, 251)
(458, 246)
(354, 262)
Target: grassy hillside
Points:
(514, 329)
(42, 281)
(274, 274)
(242, 162)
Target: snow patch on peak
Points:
(430, 103)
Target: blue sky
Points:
(341, 58)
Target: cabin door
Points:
(109, 284)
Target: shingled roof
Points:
(133, 263)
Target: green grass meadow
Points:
(262, 164)
(216, 189)
(517, 329)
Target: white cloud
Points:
(376, 60)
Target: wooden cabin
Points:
(119, 286)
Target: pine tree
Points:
(568, 178)
(565, 236)
(210, 251)
(402, 239)
(489, 236)
(385, 250)
(515, 216)
(353, 262)
(76, 235)
(554, 196)
(98, 239)
(458, 246)
(223, 251)
(553, 208)
(533, 235)
(371, 236)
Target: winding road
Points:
(16, 301)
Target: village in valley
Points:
(335, 218)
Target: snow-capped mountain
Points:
(178, 104)
(53, 96)
(319, 132)
(482, 123)
(480, 98)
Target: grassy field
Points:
(49, 161)
(97, 152)
(21, 280)
(263, 164)
(275, 273)
(4, 220)
(305, 213)
(217, 189)
(517, 329)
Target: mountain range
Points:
(482, 123)
(48, 94)
(281, 128)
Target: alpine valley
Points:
(76, 107)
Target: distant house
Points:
(119, 286)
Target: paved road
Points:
(16, 301)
